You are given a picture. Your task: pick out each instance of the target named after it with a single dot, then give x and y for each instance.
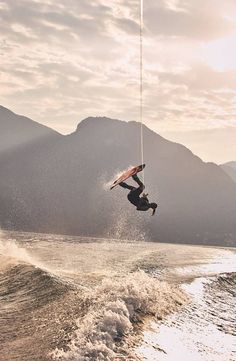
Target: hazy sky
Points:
(62, 61)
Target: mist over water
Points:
(92, 299)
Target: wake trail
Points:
(113, 311)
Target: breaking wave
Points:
(32, 306)
(27, 287)
(112, 314)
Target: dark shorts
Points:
(134, 195)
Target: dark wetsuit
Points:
(141, 203)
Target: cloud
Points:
(196, 19)
(63, 61)
(201, 77)
(47, 20)
(195, 98)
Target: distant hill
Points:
(62, 187)
(18, 131)
(231, 164)
(230, 169)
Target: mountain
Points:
(18, 131)
(62, 187)
(230, 169)
(232, 164)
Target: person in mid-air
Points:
(141, 203)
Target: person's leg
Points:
(126, 186)
(136, 192)
(137, 180)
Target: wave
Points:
(227, 283)
(113, 313)
(26, 287)
(100, 323)
(24, 282)
(220, 297)
(32, 307)
(13, 253)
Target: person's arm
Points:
(144, 196)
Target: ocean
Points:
(79, 298)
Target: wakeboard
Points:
(127, 174)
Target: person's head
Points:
(153, 206)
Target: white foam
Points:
(13, 250)
(15, 253)
(113, 309)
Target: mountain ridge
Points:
(17, 131)
(61, 187)
(230, 169)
